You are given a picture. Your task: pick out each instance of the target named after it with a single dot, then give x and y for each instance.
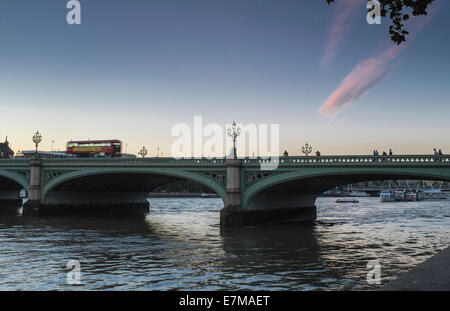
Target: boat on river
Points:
(392, 195)
(432, 194)
(358, 194)
(347, 200)
(410, 196)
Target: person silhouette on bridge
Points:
(285, 154)
(435, 152)
(390, 151)
(440, 153)
(318, 153)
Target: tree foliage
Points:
(400, 11)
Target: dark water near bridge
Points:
(179, 246)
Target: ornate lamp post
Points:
(306, 149)
(234, 132)
(37, 138)
(143, 152)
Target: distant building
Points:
(5, 151)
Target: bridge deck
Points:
(336, 160)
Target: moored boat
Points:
(356, 193)
(410, 196)
(392, 196)
(433, 194)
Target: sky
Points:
(133, 69)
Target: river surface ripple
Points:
(179, 246)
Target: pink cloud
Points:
(360, 80)
(339, 28)
(369, 72)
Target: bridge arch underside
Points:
(103, 192)
(294, 197)
(9, 195)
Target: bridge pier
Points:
(233, 213)
(266, 209)
(32, 206)
(95, 209)
(263, 208)
(95, 203)
(271, 208)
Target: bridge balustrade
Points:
(352, 160)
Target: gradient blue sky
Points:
(135, 68)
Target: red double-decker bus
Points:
(95, 148)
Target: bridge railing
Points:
(354, 160)
(14, 162)
(157, 161)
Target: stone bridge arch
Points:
(175, 173)
(11, 183)
(332, 177)
(17, 178)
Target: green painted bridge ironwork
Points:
(242, 183)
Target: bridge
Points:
(251, 195)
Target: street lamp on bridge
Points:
(37, 138)
(234, 132)
(143, 152)
(306, 149)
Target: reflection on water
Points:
(179, 246)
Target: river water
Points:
(179, 246)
